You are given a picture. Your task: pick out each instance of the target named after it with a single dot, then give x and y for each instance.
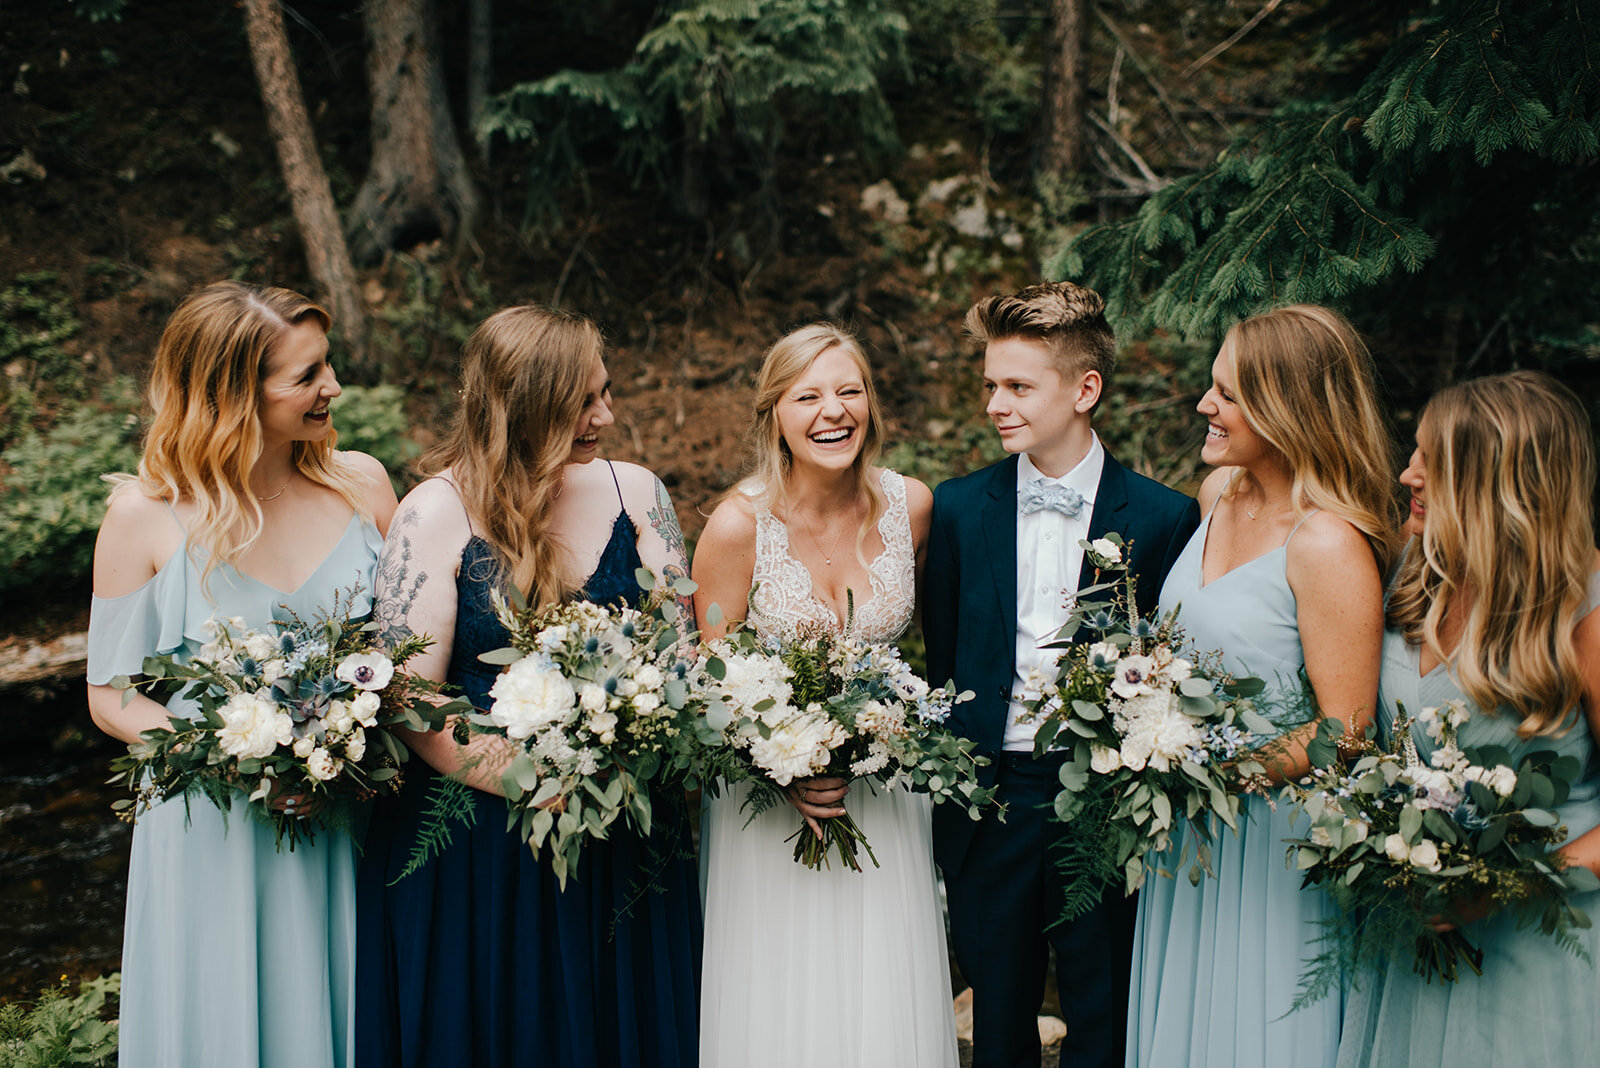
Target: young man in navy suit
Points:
(1003, 562)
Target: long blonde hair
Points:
(1306, 383)
(205, 388)
(1510, 468)
(524, 374)
(766, 483)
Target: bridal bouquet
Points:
(1404, 846)
(828, 705)
(1154, 738)
(593, 701)
(303, 711)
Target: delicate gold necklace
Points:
(275, 496)
(827, 555)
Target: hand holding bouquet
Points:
(827, 705)
(1409, 849)
(593, 702)
(300, 717)
(1154, 738)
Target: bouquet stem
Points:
(1442, 953)
(839, 833)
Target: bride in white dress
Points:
(832, 967)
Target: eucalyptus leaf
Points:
(501, 657)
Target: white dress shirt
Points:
(1049, 559)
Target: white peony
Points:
(253, 726)
(365, 671)
(260, 647)
(1425, 855)
(1103, 759)
(323, 765)
(552, 638)
(649, 677)
(529, 695)
(797, 748)
(1501, 779)
(1156, 731)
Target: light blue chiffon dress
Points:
(1535, 1004)
(233, 953)
(1216, 967)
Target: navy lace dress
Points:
(479, 959)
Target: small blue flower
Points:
(591, 645)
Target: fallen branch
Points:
(1238, 35)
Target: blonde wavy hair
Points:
(205, 388)
(1510, 469)
(524, 375)
(766, 482)
(1306, 383)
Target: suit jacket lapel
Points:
(1000, 536)
(1110, 503)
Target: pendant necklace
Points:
(274, 496)
(827, 555)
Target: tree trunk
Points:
(480, 61)
(417, 186)
(309, 192)
(1066, 89)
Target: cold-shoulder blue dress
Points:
(1535, 1004)
(479, 959)
(1216, 966)
(232, 952)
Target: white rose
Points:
(322, 765)
(552, 638)
(303, 746)
(1107, 550)
(646, 703)
(649, 677)
(1103, 759)
(603, 725)
(365, 671)
(1396, 849)
(339, 717)
(1425, 855)
(592, 697)
(356, 747)
(259, 647)
(364, 707)
(627, 687)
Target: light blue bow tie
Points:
(1037, 494)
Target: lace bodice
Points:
(784, 600)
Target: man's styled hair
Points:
(1069, 319)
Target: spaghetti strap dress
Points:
(233, 953)
(1535, 1004)
(479, 958)
(1216, 966)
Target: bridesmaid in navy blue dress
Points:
(480, 958)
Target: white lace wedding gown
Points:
(832, 967)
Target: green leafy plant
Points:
(372, 419)
(62, 1029)
(52, 497)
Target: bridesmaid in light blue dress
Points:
(1535, 1003)
(233, 953)
(1282, 577)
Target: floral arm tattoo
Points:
(396, 587)
(664, 521)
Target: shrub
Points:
(372, 419)
(61, 1029)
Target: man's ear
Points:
(1088, 391)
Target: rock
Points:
(882, 201)
(963, 1009)
(941, 189)
(1051, 1030)
(22, 169)
(225, 144)
(972, 219)
(22, 663)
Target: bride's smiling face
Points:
(823, 415)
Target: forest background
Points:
(700, 175)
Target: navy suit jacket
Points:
(969, 607)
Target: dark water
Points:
(63, 853)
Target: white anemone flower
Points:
(365, 671)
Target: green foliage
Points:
(713, 77)
(424, 324)
(372, 419)
(62, 1028)
(53, 497)
(36, 316)
(1472, 141)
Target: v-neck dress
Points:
(1216, 966)
(1536, 1004)
(833, 967)
(480, 959)
(233, 953)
